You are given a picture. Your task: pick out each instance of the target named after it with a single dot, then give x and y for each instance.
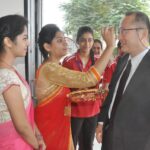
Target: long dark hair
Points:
(81, 31)
(46, 35)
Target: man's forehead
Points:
(127, 20)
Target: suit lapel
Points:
(140, 73)
(120, 66)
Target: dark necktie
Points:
(121, 88)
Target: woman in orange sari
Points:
(52, 113)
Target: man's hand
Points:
(99, 133)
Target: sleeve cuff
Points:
(100, 123)
(96, 74)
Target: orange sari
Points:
(52, 113)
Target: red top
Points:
(81, 109)
(107, 75)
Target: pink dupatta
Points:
(9, 137)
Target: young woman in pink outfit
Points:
(17, 128)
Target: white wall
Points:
(14, 7)
(11, 7)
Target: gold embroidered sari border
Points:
(50, 97)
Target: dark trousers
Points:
(109, 142)
(107, 137)
(83, 132)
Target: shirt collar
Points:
(137, 59)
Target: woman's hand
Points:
(108, 34)
(42, 145)
(39, 137)
(41, 142)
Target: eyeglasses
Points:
(125, 30)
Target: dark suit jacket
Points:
(130, 128)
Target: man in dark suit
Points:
(126, 110)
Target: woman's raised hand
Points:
(108, 34)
